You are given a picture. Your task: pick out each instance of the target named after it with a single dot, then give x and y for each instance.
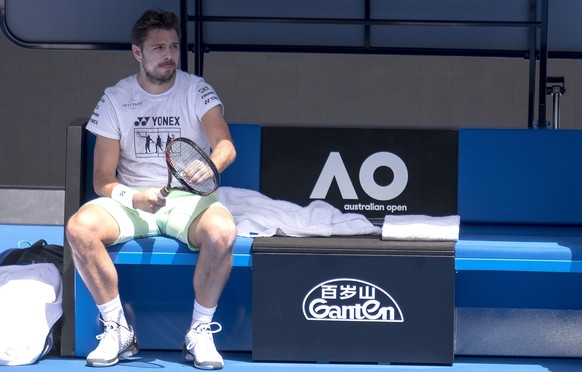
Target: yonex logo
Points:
(334, 168)
(350, 300)
(141, 121)
(159, 121)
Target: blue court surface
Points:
(169, 361)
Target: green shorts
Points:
(172, 220)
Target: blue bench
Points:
(518, 259)
(519, 256)
(155, 274)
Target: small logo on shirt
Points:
(141, 120)
(132, 105)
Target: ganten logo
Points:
(350, 300)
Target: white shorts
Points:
(172, 220)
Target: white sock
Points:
(201, 314)
(113, 311)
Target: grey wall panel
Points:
(32, 206)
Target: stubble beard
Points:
(159, 78)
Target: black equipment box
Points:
(353, 299)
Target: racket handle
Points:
(163, 193)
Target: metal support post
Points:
(556, 88)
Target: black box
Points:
(353, 299)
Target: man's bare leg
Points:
(88, 232)
(214, 232)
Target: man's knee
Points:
(79, 225)
(215, 227)
(223, 233)
(87, 225)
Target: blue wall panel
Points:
(520, 176)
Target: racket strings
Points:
(192, 167)
(196, 172)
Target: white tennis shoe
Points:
(199, 346)
(116, 342)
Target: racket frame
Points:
(172, 173)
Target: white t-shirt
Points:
(143, 123)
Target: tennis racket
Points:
(191, 166)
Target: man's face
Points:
(159, 56)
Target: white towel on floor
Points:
(30, 304)
(257, 215)
(421, 227)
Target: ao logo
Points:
(334, 168)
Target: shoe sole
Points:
(208, 367)
(133, 349)
(190, 357)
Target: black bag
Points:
(39, 252)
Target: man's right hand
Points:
(148, 200)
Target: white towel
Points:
(257, 215)
(30, 304)
(421, 227)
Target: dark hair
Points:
(150, 20)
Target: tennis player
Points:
(153, 106)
